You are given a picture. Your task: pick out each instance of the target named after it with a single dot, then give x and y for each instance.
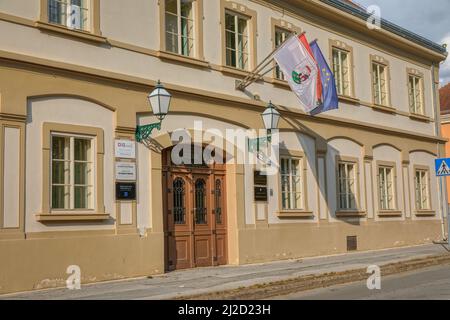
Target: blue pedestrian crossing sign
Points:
(443, 167)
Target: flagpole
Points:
(250, 78)
(244, 83)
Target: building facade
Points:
(444, 98)
(74, 80)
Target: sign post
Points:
(442, 171)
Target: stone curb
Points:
(315, 281)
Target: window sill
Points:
(390, 213)
(348, 99)
(419, 117)
(165, 55)
(70, 216)
(295, 214)
(378, 107)
(425, 213)
(350, 214)
(44, 26)
(280, 83)
(234, 71)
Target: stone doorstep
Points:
(314, 281)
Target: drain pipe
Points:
(442, 187)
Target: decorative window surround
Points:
(357, 212)
(296, 213)
(382, 62)
(428, 210)
(242, 10)
(288, 27)
(340, 45)
(419, 114)
(92, 34)
(393, 211)
(198, 58)
(98, 212)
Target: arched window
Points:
(179, 210)
(200, 202)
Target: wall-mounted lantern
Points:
(159, 101)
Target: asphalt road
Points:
(426, 284)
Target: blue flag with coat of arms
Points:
(330, 99)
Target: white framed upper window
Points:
(341, 70)
(237, 40)
(415, 94)
(379, 84)
(386, 185)
(292, 194)
(347, 186)
(422, 190)
(180, 27)
(281, 35)
(73, 14)
(72, 172)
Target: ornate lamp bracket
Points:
(144, 132)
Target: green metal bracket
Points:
(143, 132)
(254, 144)
(257, 142)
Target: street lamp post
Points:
(159, 101)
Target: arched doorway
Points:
(194, 214)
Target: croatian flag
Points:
(296, 60)
(330, 99)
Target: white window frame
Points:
(290, 194)
(350, 191)
(422, 188)
(191, 37)
(343, 81)
(67, 11)
(415, 93)
(387, 196)
(284, 36)
(379, 84)
(237, 53)
(71, 160)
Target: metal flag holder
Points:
(255, 75)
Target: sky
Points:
(428, 18)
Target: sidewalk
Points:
(208, 280)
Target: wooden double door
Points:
(195, 216)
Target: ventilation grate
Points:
(352, 243)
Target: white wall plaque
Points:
(126, 171)
(125, 149)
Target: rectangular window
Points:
(422, 190)
(379, 84)
(341, 70)
(386, 187)
(179, 18)
(280, 36)
(236, 41)
(415, 94)
(291, 184)
(347, 186)
(71, 173)
(73, 14)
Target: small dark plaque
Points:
(260, 186)
(259, 178)
(125, 191)
(261, 194)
